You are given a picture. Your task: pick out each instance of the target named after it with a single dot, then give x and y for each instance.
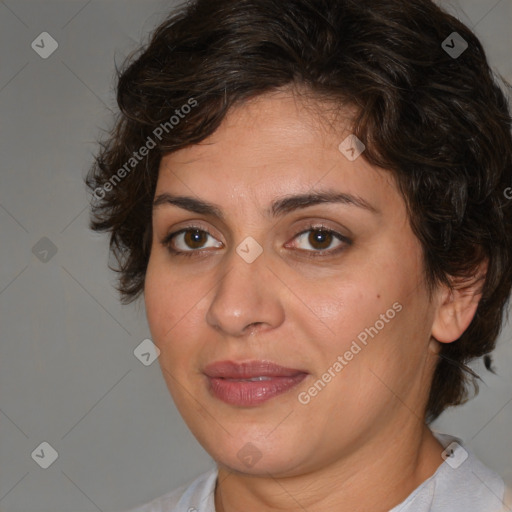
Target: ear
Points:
(457, 306)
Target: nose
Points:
(247, 298)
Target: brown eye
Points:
(188, 241)
(320, 239)
(195, 239)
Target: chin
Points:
(277, 466)
(248, 455)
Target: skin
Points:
(361, 443)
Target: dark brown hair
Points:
(438, 122)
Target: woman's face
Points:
(345, 313)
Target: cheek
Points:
(174, 312)
(373, 315)
(160, 297)
(344, 311)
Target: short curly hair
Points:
(438, 121)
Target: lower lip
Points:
(251, 393)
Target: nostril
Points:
(254, 327)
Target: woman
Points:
(311, 197)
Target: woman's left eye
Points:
(193, 239)
(321, 238)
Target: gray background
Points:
(68, 375)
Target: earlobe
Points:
(457, 307)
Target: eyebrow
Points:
(278, 208)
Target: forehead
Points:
(274, 145)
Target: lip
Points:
(249, 369)
(226, 381)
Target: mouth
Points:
(248, 384)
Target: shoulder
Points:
(465, 482)
(462, 483)
(192, 497)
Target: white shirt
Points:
(462, 483)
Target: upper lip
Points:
(248, 370)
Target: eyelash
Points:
(166, 242)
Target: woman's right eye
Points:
(187, 240)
